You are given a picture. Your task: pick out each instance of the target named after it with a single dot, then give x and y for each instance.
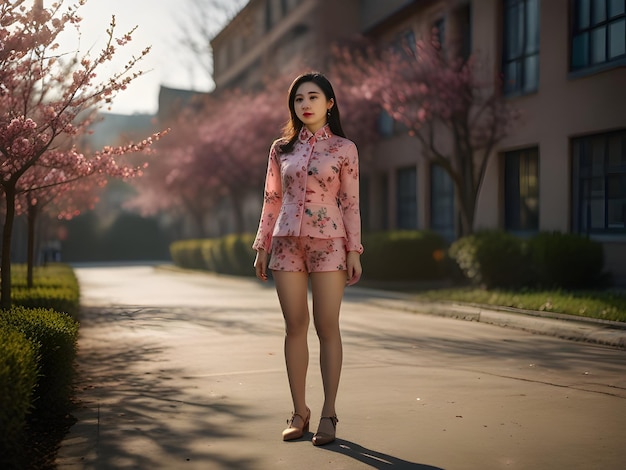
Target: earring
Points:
(328, 113)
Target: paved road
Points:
(185, 371)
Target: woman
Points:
(311, 224)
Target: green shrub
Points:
(238, 255)
(566, 260)
(62, 299)
(492, 258)
(18, 377)
(213, 255)
(403, 255)
(231, 254)
(187, 254)
(210, 261)
(56, 335)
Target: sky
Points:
(160, 24)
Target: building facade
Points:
(563, 168)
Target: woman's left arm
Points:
(349, 199)
(354, 267)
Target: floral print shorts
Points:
(307, 254)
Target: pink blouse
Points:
(312, 191)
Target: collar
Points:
(323, 133)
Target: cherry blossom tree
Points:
(176, 183)
(238, 144)
(217, 150)
(47, 98)
(449, 103)
(64, 188)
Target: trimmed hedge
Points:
(61, 299)
(18, 377)
(37, 352)
(569, 261)
(232, 254)
(492, 258)
(403, 255)
(187, 254)
(55, 335)
(495, 259)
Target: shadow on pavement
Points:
(373, 458)
(131, 403)
(542, 351)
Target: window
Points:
(385, 124)
(439, 29)
(521, 190)
(405, 42)
(598, 33)
(442, 203)
(406, 180)
(520, 62)
(599, 183)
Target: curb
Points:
(596, 331)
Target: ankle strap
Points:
(333, 419)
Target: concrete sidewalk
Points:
(186, 371)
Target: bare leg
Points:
(292, 288)
(328, 288)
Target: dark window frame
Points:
(440, 26)
(519, 215)
(594, 178)
(442, 196)
(520, 83)
(595, 30)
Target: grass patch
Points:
(604, 305)
(52, 275)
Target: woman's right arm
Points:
(260, 264)
(272, 199)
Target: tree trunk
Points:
(466, 203)
(32, 219)
(5, 263)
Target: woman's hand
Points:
(260, 265)
(354, 267)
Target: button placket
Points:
(306, 158)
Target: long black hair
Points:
(292, 128)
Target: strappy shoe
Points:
(322, 438)
(293, 432)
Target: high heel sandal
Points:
(323, 438)
(293, 432)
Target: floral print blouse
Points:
(312, 191)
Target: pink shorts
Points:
(306, 254)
